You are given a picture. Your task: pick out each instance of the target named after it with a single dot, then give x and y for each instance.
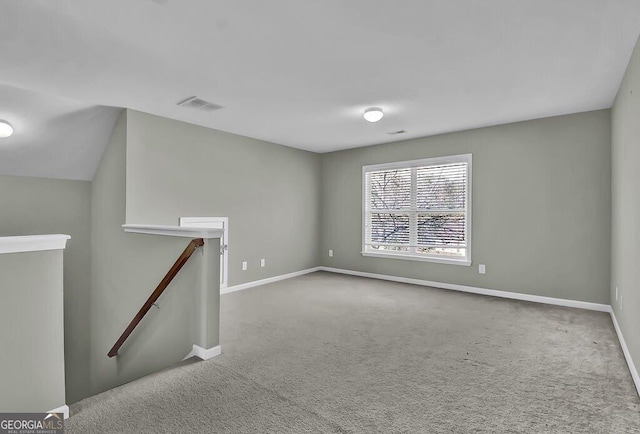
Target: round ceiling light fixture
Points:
(373, 114)
(6, 130)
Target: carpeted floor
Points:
(326, 353)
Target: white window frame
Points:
(462, 158)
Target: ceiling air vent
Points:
(199, 104)
(393, 133)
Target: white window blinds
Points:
(418, 209)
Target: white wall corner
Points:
(204, 353)
(627, 354)
(64, 410)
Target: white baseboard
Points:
(64, 409)
(268, 280)
(204, 353)
(627, 354)
(512, 295)
(462, 288)
(482, 291)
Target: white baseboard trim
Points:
(482, 291)
(64, 410)
(627, 354)
(268, 280)
(204, 353)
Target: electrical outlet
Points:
(616, 292)
(263, 262)
(244, 265)
(620, 301)
(331, 253)
(482, 269)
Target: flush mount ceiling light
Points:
(373, 114)
(6, 130)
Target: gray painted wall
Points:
(126, 268)
(269, 192)
(31, 331)
(541, 207)
(32, 206)
(291, 206)
(625, 250)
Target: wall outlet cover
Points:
(244, 265)
(263, 262)
(482, 269)
(330, 253)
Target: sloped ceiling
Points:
(53, 137)
(301, 72)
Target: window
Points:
(419, 210)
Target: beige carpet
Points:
(327, 353)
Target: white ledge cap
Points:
(174, 231)
(33, 243)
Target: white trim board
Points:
(221, 223)
(470, 289)
(268, 280)
(64, 410)
(473, 290)
(173, 231)
(627, 354)
(204, 353)
(33, 243)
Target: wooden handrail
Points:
(182, 259)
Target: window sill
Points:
(463, 262)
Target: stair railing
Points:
(173, 271)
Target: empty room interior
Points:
(320, 217)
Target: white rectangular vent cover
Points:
(199, 104)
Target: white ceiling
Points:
(300, 72)
(53, 137)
